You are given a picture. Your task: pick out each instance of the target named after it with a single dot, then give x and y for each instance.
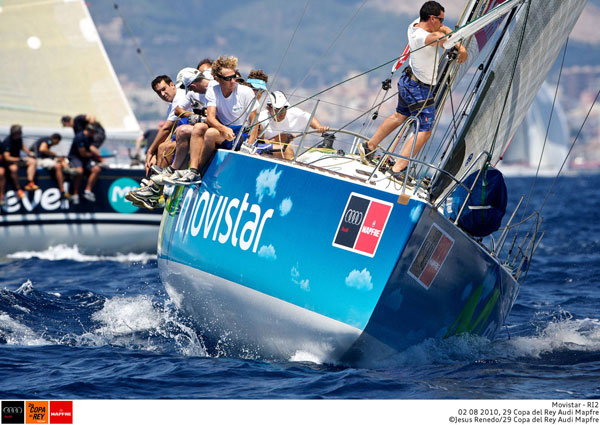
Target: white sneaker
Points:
(188, 177)
(174, 178)
(159, 178)
(75, 199)
(89, 196)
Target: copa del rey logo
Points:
(362, 224)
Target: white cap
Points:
(277, 100)
(207, 74)
(180, 74)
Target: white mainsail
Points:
(54, 64)
(504, 99)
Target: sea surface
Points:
(74, 326)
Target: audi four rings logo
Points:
(12, 410)
(353, 217)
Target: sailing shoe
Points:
(31, 186)
(160, 178)
(89, 196)
(366, 154)
(187, 178)
(399, 177)
(147, 197)
(173, 178)
(155, 169)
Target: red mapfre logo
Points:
(61, 412)
(362, 224)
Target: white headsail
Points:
(54, 64)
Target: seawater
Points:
(74, 326)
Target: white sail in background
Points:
(498, 112)
(534, 143)
(54, 64)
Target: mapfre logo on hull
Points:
(362, 224)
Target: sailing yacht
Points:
(54, 64)
(327, 256)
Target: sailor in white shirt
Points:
(228, 105)
(416, 85)
(280, 123)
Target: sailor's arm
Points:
(314, 123)
(212, 121)
(162, 134)
(438, 37)
(9, 158)
(182, 113)
(254, 132)
(44, 149)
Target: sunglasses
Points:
(439, 19)
(228, 78)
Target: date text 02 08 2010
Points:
(582, 412)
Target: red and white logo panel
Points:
(362, 224)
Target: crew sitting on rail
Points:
(280, 123)
(10, 149)
(83, 159)
(228, 104)
(50, 160)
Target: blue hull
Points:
(281, 260)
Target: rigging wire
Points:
(330, 45)
(548, 127)
(290, 43)
(570, 150)
(133, 38)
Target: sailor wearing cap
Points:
(280, 123)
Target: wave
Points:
(563, 339)
(64, 252)
(32, 317)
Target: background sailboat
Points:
(534, 143)
(54, 64)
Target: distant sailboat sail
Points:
(53, 63)
(492, 122)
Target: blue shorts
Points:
(410, 91)
(228, 144)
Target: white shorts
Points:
(47, 163)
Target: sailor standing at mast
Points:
(416, 85)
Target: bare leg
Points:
(387, 126)
(202, 148)
(165, 154)
(31, 168)
(93, 178)
(77, 181)
(184, 133)
(14, 174)
(2, 182)
(60, 179)
(422, 138)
